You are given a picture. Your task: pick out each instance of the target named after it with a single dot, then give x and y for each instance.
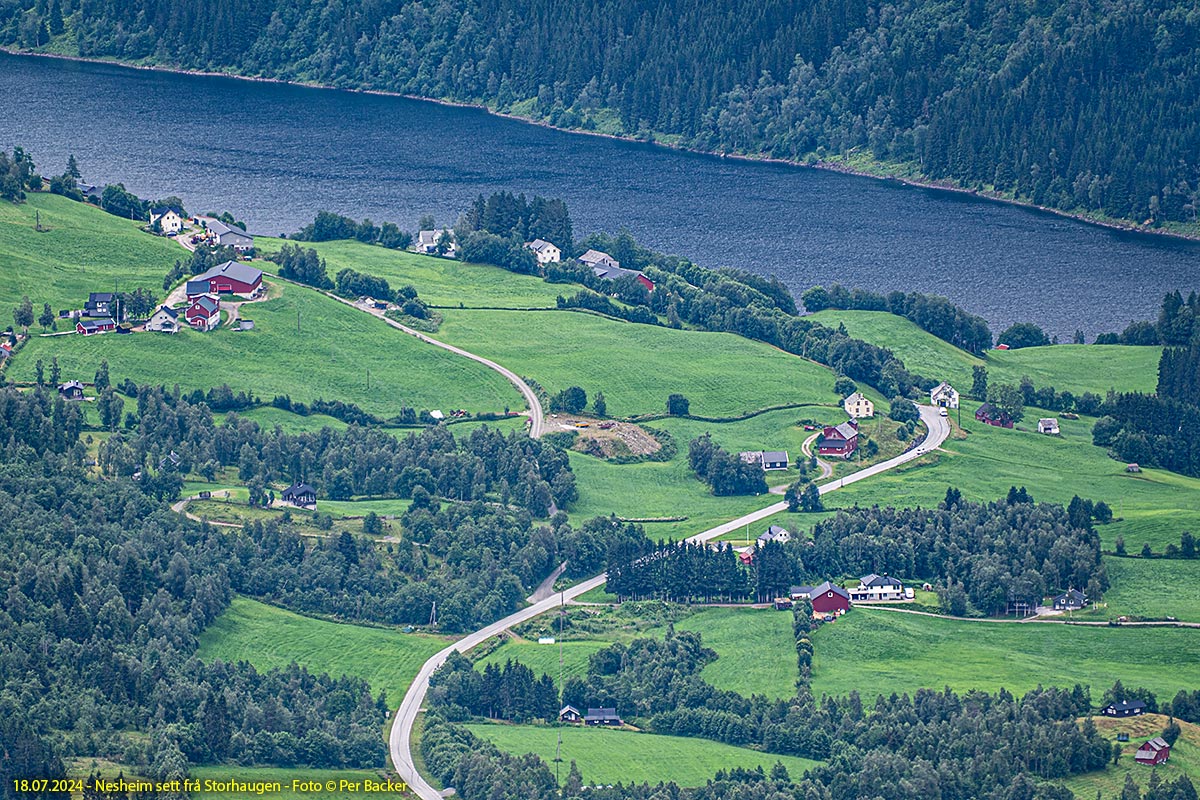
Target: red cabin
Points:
(1155, 751)
(988, 414)
(826, 598)
(840, 440)
(89, 326)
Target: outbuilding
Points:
(89, 327)
(1155, 751)
(232, 277)
(989, 414)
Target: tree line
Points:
(725, 473)
(935, 315)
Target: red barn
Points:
(89, 326)
(232, 277)
(840, 440)
(826, 598)
(1155, 751)
(988, 414)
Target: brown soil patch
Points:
(604, 438)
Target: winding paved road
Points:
(400, 740)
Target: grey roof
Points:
(430, 238)
(164, 209)
(817, 591)
(599, 258)
(100, 297)
(878, 580)
(567, 708)
(231, 269)
(943, 386)
(602, 714)
(799, 589)
(221, 229)
(196, 287)
(96, 323)
(538, 245)
(775, 455)
(207, 303)
(70, 385)
(1157, 743)
(1072, 594)
(612, 273)
(299, 488)
(846, 430)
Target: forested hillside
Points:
(1069, 104)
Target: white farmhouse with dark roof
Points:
(877, 588)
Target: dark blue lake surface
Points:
(274, 155)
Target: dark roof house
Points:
(1125, 708)
(99, 304)
(300, 494)
(71, 390)
(775, 459)
(602, 716)
(1070, 600)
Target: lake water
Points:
(274, 155)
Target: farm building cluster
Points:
(103, 312)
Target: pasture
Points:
(637, 366)
(438, 281)
(768, 667)
(1108, 783)
(269, 637)
(871, 650)
(83, 250)
(306, 346)
(611, 756)
(1078, 368)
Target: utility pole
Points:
(297, 320)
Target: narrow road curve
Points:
(536, 415)
(825, 466)
(400, 740)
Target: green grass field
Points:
(767, 668)
(1156, 505)
(438, 281)
(609, 756)
(270, 637)
(344, 781)
(544, 658)
(1136, 589)
(329, 359)
(1107, 783)
(268, 417)
(1078, 368)
(85, 250)
(873, 651)
(637, 366)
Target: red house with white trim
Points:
(827, 598)
(204, 313)
(840, 440)
(1155, 751)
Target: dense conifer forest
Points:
(1064, 104)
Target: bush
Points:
(1024, 334)
(677, 405)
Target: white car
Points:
(943, 411)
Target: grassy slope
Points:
(544, 658)
(439, 281)
(1156, 505)
(1108, 782)
(1078, 368)
(768, 667)
(1137, 589)
(85, 250)
(637, 366)
(609, 756)
(269, 637)
(873, 651)
(268, 417)
(329, 360)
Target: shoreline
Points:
(826, 166)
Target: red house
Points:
(840, 440)
(988, 414)
(1155, 751)
(826, 598)
(89, 326)
(232, 277)
(204, 313)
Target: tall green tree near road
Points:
(1008, 398)
(23, 314)
(599, 406)
(46, 320)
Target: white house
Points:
(164, 320)
(598, 258)
(169, 219)
(858, 406)
(877, 588)
(1048, 426)
(427, 242)
(944, 395)
(546, 252)
(775, 533)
